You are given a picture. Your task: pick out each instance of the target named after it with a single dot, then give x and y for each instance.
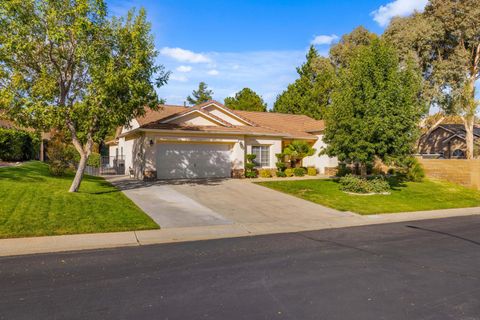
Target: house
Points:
(210, 140)
(447, 141)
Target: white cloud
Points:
(183, 55)
(184, 69)
(213, 72)
(401, 8)
(266, 72)
(180, 78)
(324, 39)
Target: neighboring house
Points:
(447, 141)
(210, 140)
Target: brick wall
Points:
(464, 172)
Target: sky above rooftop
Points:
(257, 44)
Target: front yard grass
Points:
(34, 203)
(405, 196)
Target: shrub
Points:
(57, 168)
(311, 171)
(297, 150)
(280, 164)
(378, 185)
(289, 172)
(18, 145)
(414, 170)
(265, 173)
(343, 170)
(250, 171)
(93, 160)
(281, 174)
(60, 157)
(299, 172)
(351, 183)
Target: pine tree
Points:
(310, 93)
(202, 94)
(246, 99)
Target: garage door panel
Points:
(180, 161)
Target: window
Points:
(263, 155)
(458, 153)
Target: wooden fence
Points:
(464, 172)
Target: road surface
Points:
(418, 270)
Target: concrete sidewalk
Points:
(21, 246)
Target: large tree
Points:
(341, 52)
(246, 99)
(375, 107)
(445, 40)
(310, 93)
(65, 65)
(202, 94)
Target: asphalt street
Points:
(414, 270)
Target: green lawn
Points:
(33, 203)
(409, 196)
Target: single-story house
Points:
(447, 141)
(210, 140)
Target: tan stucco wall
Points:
(224, 116)
(320, 162)
(461, 171)
(275, 145)
(195, 119)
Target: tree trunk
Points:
(79, 174)
(469, 118)
(363, 170)
(469, 125)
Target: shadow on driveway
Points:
(130, 184)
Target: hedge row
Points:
(18, 145)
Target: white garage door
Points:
(183, 160)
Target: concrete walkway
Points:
(22, 246)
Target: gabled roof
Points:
(459, 129)
(256, 123)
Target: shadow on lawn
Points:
(24, 173)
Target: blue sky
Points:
(258, 44)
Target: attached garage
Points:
(193, 160)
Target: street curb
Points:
(36, 245)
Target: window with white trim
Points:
(262, 155)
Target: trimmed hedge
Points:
(18, 145)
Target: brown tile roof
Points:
(293, 124)
(214, 129)
(163, 112)
(268, 123)
(458, 128)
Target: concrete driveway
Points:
(191, 203)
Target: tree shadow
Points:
(28, 172)
(396, 183)
(130, 184)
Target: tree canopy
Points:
(246, 99)
(310, 93)
(341, 52)
(202, 94)
(65, 65)
(445, 41)
(375, 107)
